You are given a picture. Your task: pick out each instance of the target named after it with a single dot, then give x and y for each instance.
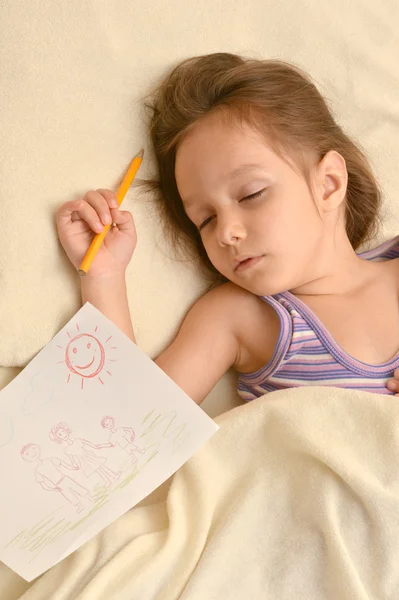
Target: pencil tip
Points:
(140, 154)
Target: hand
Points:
(393, 384)
(80, 220)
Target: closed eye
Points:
(208, 220)
(253, 196)
(250, 197)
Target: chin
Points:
(263, 286)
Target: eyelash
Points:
(251, 197)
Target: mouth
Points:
(247, 263)
(85, 366)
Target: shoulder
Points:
(217, 317)
(236, 309)
(227, 295)
(222, 304)
(254, 324)
(233, 300)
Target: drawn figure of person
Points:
(122, 437)
(80, 456)
(51, 478)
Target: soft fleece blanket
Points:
(296, 496)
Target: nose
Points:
(230, 230)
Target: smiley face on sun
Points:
(85, 356)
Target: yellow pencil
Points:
(120, 194)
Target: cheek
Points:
(210, 245)
(294, 218)
(215, 253)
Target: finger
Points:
(109, 196)
(396, 373)
(392, 385)
(79, 210)
(100, 205)
(123, 219)
(63, 216)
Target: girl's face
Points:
(62, 434)
(246, 202)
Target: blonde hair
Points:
(275, 98)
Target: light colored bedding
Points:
(296, 496)
(72, 78)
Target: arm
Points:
(206, 345)
(46, 487)
(139, 449)
(96, 446)
(75, 465)
(43, 482)
(67, 466)
(203, 350)
(208, 341)
(130, 431)
(104, 285)
(108, 294)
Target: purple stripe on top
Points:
(302, 334)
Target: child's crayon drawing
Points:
(77, 449)
(49, 474)
(84, 439)
(85, 356)
(122, 437)
(162, 426)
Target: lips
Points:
(246, 262)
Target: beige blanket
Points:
(73, 76)
(296, 496)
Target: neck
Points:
(337, 270)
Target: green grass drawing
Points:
(51, 528)
(168, 420)
(147, 416)
(96, 507)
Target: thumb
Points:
(123, 219)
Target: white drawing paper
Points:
(89, 428)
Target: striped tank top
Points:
(306, 353)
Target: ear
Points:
(332, 178)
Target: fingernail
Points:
(99, 226)
(107, 219)
(113, 203)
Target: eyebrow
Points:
(232, 175)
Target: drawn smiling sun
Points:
(85, 356)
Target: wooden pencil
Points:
(120, 194)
